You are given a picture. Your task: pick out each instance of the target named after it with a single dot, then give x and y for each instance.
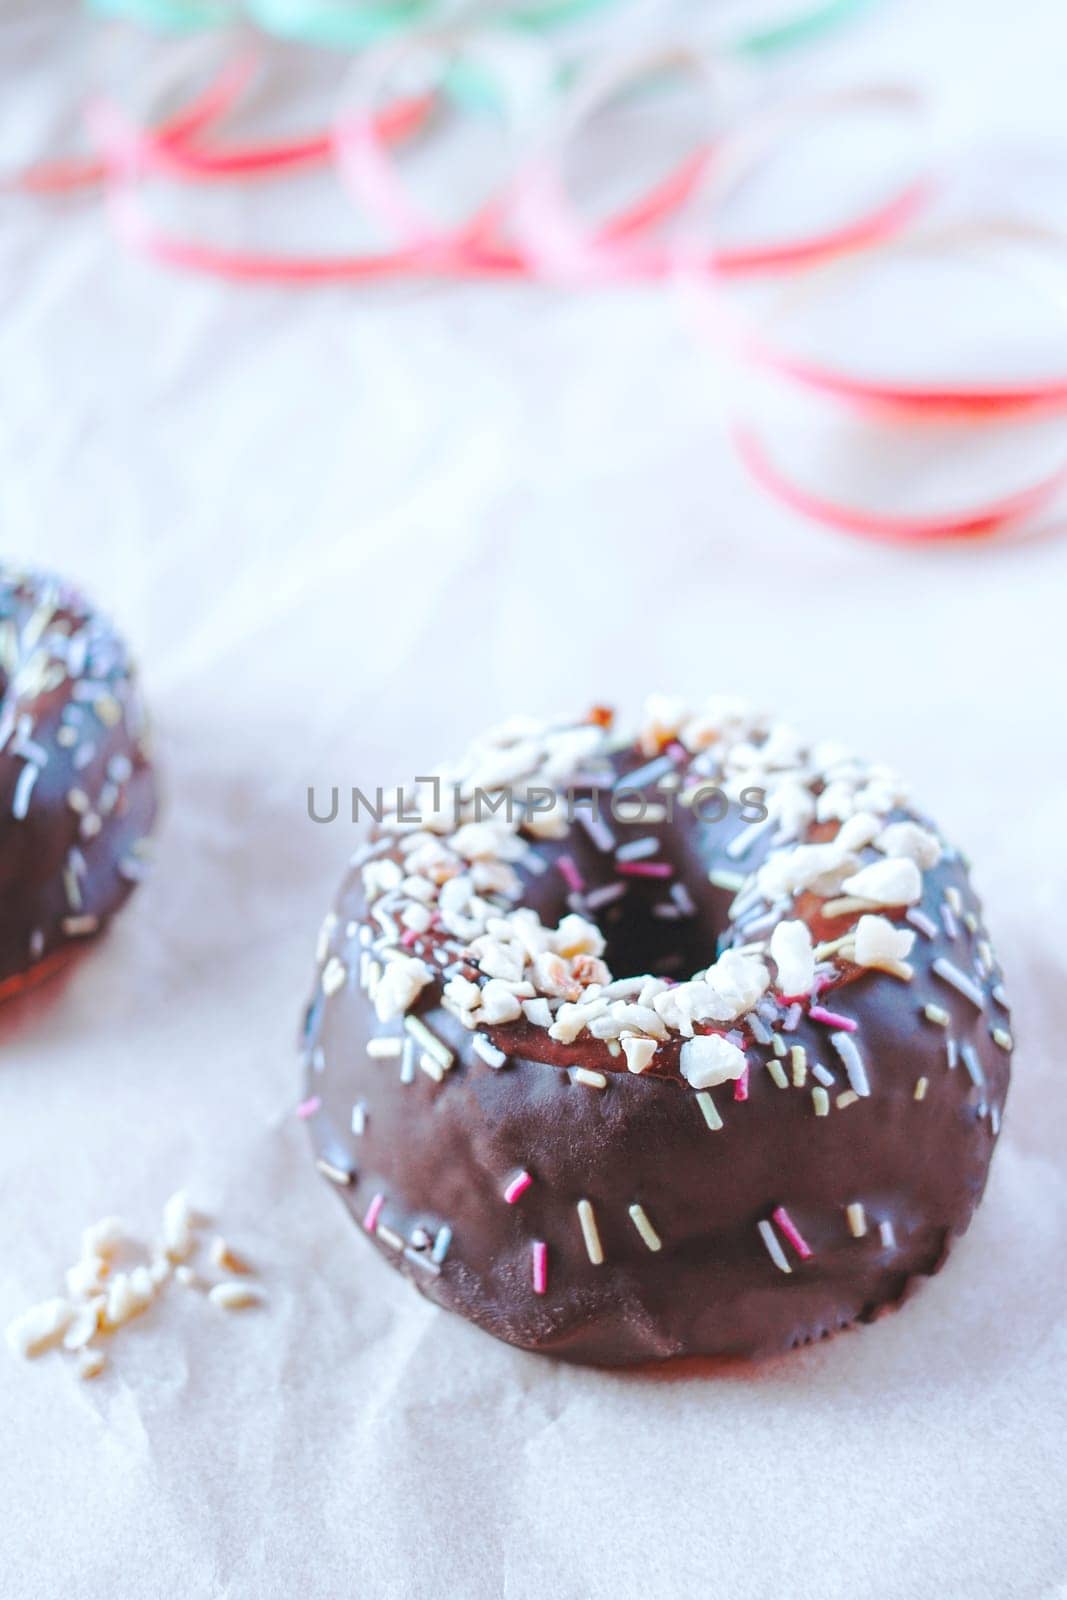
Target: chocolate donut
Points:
(613, 1168)
(77, 795)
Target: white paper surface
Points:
(344, 531)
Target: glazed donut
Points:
(540, 1115)
(77, 795)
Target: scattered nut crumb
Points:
(233, 1296)
(227, 1259)
(91, 1363)
(39, 1328)
(100, 1300)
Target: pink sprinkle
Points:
(832, 1019)
(374, 1211)
(517, 1187)
(409, 938)
(308, 1108)
(741, 1086)
(570, 874)
(540, 1266)
(645, 869)
(792, 1232)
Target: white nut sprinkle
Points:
(895, 882)
(792, 953)
(638, 1053)
(879, 944)
(709, 1059)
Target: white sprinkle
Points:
(774, 1249)
(20, 803)
(821, 1102)
(637, 849)
(235, 1296)
(432, 1068)
(937, 1014)
(887, 1236)
(359, 1117)
(645, 1228)
(384, 1049)
(921, 1087)
(969, 1057)
(334, 974)
(742, 842)
(441, 1243)
(429, 1041)
(853, 1062)
(598, 898)
(1002, 1037)
(849, 1097)
(720, 878)
(857, 1219)
(596, 828)
(822, 1075)
(337, 1175)
(91, 1364)
(488, 1051)
(590, 1233)
(949, 973)
(592, 1080)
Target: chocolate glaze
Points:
(441, 1154)
(69, 708)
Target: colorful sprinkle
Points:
(517, 1187)
(847, 1097)
(937, 1014)
(307, 1108)
(708, 1111)
(777, 1074)
(832, 1019)
(590, 1232)
(821, 1101)
(799, 1057)
(741, 1086)
(1002, 1037)
(570, 874)
(792, 1232)
(539, 1250)
(374, 1211)
(921, 1087)
(645, 869)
